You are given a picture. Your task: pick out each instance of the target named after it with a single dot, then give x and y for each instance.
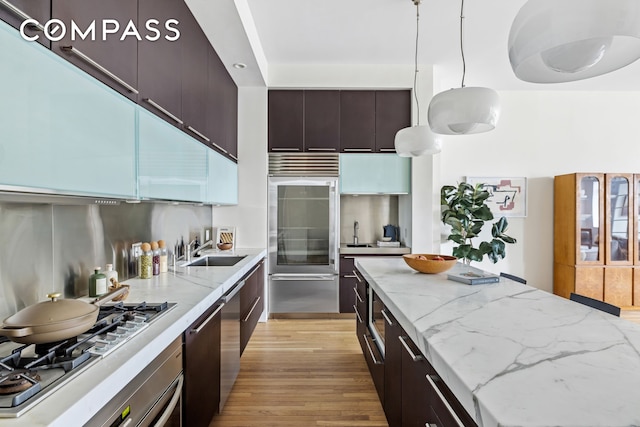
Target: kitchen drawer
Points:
(347, 294)
(347, 265)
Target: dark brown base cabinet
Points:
(201, 391)
(251, 303)
(413, 395)
(40, 10)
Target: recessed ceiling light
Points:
(239, 65)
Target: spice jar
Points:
(146, 262)
(110, 273)
(97, 283)
(164, 257)
(156, 258)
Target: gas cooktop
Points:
(31, 372)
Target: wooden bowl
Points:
(429, 265)
(225, 246)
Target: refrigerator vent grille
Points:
(304, 164)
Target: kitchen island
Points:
(514, 355)
(193, 289)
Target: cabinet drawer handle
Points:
(284, 149)
(444, 400)
(201, 135)
(253, 307)
(233, 157)
(365, 150)
(414, 357)
(99, 67)
(357, 276)
(254, 269)
(375, 361)
(349, 257)
(358, 295)
(207, 320)
(321, 149)
(350, 276)
(163, 110)
(387, 150)
(357, 314)
(220, 148)
(20, 14)
(386, 317)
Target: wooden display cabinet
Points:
(595, 219)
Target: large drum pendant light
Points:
(553, 41)
(465, 110)
(416, 140)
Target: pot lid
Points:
(50, 312)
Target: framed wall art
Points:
(508, 195)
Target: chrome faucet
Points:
(201, 247)
(356, 227)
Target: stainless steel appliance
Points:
(376, 319)
(29, 373)
(303, 233)
(229, 342)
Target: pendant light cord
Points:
(464, 64)
(415, 69)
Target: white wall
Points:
(250, 215)
(542, 134)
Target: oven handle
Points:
(172, 404)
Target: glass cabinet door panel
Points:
(60, 129)
(589, 217)
(618, 229)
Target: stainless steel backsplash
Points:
(47, 248)
(371, 212)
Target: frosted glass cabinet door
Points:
(60, 129)
(172, 165)
(375, 174)
(223, 180)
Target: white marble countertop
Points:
(194, 289)
(514, 355)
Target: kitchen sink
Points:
(216, 261)
(359, 245)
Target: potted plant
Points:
(464, 208)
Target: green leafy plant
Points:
(464, 208)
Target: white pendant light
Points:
(553, 41)
(465, 110)
(416, 140)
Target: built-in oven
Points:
(152, 398)
(376, 319)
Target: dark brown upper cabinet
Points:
(107, 58)
(194, 78)
(321, 120)
(286, 130)
(160, 61)
(393, 112)
(357, 120)
(16, 11)
(222, 107)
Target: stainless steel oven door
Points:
(376, 320)
(303, 225)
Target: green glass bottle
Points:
(97, 283)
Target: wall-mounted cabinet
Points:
(172, 165)
(362, 173)
(595, 221)
(350, 121)
(14, 12)
(60, 129)
(110, 60)
(222, 181)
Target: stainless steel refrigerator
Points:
(303, 244)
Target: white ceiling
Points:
(304, 32)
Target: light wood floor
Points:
(303, 373)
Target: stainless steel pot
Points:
(55, 320)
